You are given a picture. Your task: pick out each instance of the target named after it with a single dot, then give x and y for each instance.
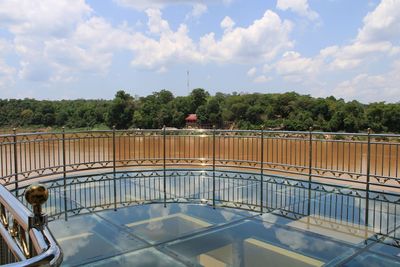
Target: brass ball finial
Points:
(36, 194)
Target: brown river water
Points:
(346, 159)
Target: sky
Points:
(69, 49)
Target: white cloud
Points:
(377, 43)
(227, 2)
(155, 23)
(267, 68)
(378, 36)
(227, 24)
(251, 72)
(61, 40)
(367, 88)
(5, 47)
(353, 55)
(293, 67)
(142, 5)
(261, 79)
(145, 4)
(7, 74)
(170, 46)
(262, 40)
(88, 50)
(46, 17)
(86, 44)
(293, 63)
(198, 10)
(198, 7)
(329, 52)
(35, 26)
(162, 70)
(382, 24)
(299, 7)
(239, 44)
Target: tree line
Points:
(287, 111)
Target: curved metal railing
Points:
(369, 161)
(366, 165)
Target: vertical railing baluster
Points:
(64, 175)
(310, 154)
(262, 171)
(310, 157)
(15, 161)
(213, 167)
(114, 169)
(368, 177)
(164, 168)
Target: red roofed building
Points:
(191, 120)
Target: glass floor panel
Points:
(156, 223)
(326, 230)
(87, 237)
(140, 258)
(188, 234)
(371, 259)
(251, 243)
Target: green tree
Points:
(392, 118)
(26, 116)
(254, 114)
(198, 97)
(202, 114)
(121, 111)
(289, 111)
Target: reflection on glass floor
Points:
(326, 230)
(187, 235)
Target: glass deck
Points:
(331, 232)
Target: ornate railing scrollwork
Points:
(18, 233)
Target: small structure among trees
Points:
(191, 120)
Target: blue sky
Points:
(68, 49)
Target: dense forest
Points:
(289, 111)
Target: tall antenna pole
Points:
(187, 80)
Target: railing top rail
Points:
(50, 257)
(142, 130)
(205, 131)
(386, 135)
(337, 133)
(28, 134)
(12, 204)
